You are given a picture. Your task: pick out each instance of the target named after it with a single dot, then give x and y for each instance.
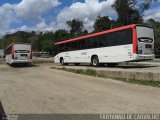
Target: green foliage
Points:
(127, 12)
(48, 47)
(76, 26)
(60, 35)
(102, 23)
(156, 26)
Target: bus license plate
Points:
(24, 55)
(148, 46)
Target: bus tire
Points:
(95, 61)
(62, 61)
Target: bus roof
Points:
(100, 33)
(17, 43)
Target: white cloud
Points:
(6, 16)
(152, 13)
(87, 11)
(33, 9)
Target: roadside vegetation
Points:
(128, 13)
(94, 73)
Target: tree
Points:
(156, 26)
(128, 13)
(47, 45)
(85, 32)
(102, 23)
(60, 35)
(76, 26)
(35, 43)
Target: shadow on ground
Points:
(23, 65)
(123, 66)
(2, 112)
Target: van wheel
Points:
(95, 61)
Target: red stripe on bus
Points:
(13, 51)
(135, 44)
(97, 34)
(31, 54)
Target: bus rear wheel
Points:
(95, 61)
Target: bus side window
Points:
(92, 42)
(55, 52)
(115, 38)
(74, 45)
(61, 48)
(103, 41)
(129, 36)
(122, 37)
(67, 46)
(82, 44)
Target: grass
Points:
(94, 73)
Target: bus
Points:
(17, 53)
(124, 44)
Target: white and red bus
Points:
(18, 53)
(124, 44)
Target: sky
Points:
(51, 15)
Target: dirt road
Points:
(40, 89)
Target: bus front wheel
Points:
(95, 61)
(62, 61)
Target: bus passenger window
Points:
(82, 44)
(92, 42)
(102, 41)
(74, 45)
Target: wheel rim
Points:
(62, 61)
(95, 62)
